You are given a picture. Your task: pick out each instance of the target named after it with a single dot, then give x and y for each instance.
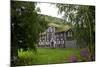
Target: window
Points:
(50, 29)
(69, 34)
(57, 37)
(61, 35)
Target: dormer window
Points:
(69, 34)
(50, 29)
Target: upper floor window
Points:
(61, 35)
(69, 34)
(57, 36)
(51, 29)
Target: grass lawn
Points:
(47, 56)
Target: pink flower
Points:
(73, 59)
(84, 52)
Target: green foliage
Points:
(51, 19)
(82, 17)
(48, 56)
(26, 57)
(26, 24)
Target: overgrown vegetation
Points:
(48, 56)
(26, 24)
(82, 19)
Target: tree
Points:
(26, 25)
(83, 21)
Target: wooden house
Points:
(57, 36)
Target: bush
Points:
(26, 57)
(85, 54)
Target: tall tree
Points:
(26, 25)
(82, 18)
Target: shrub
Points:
(26, 57)
(85, 54)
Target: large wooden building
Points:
(57, 36)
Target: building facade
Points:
(52, 38)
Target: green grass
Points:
(47, 56)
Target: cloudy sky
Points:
(49, 9)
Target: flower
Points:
(73, 59)
(84, 52)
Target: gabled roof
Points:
(59, 27)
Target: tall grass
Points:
(48, 56)
(27, 57)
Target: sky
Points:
(49, 9)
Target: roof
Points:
(59, 27)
